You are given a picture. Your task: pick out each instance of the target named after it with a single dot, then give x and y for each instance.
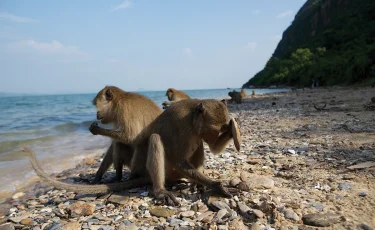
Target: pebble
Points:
(258, 213)
(187, 214)
(27, 221)
(18, 195)
(174, 222)
(161, 212)
(321, 219)
(291, 151)
(290, 214)
(344, 186)
(235, 181)
(81, 208)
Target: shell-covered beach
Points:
(307, 161)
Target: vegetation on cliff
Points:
(332, 41)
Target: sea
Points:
(56, 128)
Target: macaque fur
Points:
(174, 95)
(169, 148)
(130, 113)
(236, 96)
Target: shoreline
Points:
(297, 154)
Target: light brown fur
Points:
(174, 95)
(235, 96)
(130, 113)
(172, 143)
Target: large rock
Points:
(81, 208)
(321, 219)
(73, 225)
(256, 182)
(161, 212)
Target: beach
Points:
(307, 158)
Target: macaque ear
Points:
(108, 94)
(199, 109)
(225, 102)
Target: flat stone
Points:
(290, 214)
(344, 186)
(204, 215)
(321, 219)
(174, 222)
(17, 219)
(119, 198)
(18, 195)
(161, 212)
(7, 226)
(73, 225)
(187, 214)
(81, 208)
(257, 213)
(27, 221)
(256, 182)
(235, 181)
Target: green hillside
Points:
(332, 41)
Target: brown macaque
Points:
(130, 113)
(235, 96)
(170, 148)
(243, 93)
(174, 95)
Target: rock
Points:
(237, 224)
(362, 194)
(7, 226)
(222, 227)
(219, 215)
(73, 225)
(208, 218)
(344, 186)
(119, 198)
(256, 182)
(161, 212)
(18, 195)
(321, 219)
(81, 208)
(17, 219)
(220, 205)
(244, 209)
(365, 227)
(235, 181)
(174, 222)
(290, 214)
(244, 176)
(291, 151)
(204, 215)
(46, 209)
(187, 214)
(27, 221)
(255, 226)
(257, 213)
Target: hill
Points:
(332, 41)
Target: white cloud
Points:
(15, 18)
(255, 12)
(123, 5)
(285, 14)
(53, 48)
(277, 37)
(251, 45)
(187, 52)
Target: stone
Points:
(344, 186)
(290, 214)
(7, 226)
(257, 213)
(174, 222)
(204, 215)
(187, 214)
(291, 151)
(257, 182)
(220, 214)
(17, 219)
(235, 181)
(81, 208)
(27, 221)
(220, 205)
(119, 198)
(255, 226)
(244, 209)
(244, 176)
(321, 219)
(18, 195)
(161, 212)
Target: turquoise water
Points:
(56, 127)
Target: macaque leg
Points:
(117, 162)
(156, 168)
(106, 163)
(199, 177)
(197, 162)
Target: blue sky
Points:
(81, 46)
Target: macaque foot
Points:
(219, 188)
(166, 198)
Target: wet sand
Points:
(300, 164)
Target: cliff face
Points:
(329, 40)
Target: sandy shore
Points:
(307, 159)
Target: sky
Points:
(81, 46)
